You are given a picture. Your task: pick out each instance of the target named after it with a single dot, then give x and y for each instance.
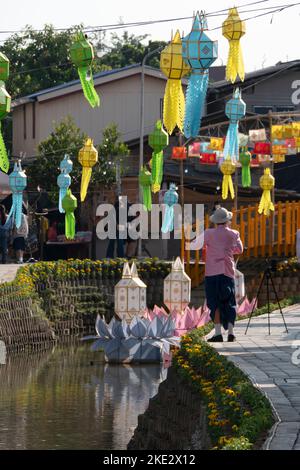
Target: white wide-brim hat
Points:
(221, 216)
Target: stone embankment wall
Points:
(174, 420)
(22, 325)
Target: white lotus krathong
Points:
(140, 341)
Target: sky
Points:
(268, 39)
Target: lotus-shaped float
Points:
(142, 340)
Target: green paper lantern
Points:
(245, 160)
(5, 102)
(69, 204)
(82, 56)
(158, 140)
(145, 180)
(4, 67)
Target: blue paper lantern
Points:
(17, 183)
(199, 52)
(170, 199)
(235, 110)
(64, 180)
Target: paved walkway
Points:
(8, 272)
(267, 360)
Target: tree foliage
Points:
(67, 138)
(40, 59)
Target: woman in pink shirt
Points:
(221, 244)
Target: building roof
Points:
(99, 79)
(280, 67)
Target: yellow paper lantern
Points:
(277, 132)
(88, 157)
(216, 143)
(174, 68)
(233, 29)
(228, 169)
(296, 129)
(278, 158)
(287, 131)
(267, 183)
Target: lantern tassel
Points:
(147, 199)
(168, 222)
(235, 63)
(85, 181)
(62, 193)
(87, 84)
(70, 225)
(266, 205)
(246, 176)
(157, 170)
(227, 185)
(174, 106)
(231, 148)
(195, 99)
(4, 163)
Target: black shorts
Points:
(19, 244)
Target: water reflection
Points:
(58, 400)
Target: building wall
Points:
(276, 92)
(120, 103)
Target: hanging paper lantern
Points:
(278, 158)
(170, 199)
(179, 153)
(254, 160)
(257, 135)
(64, 179)
(233, 29)
(296, 129)
(69, 204)
(194, 149)
(17, 184)
(4, 67)
(243, 140)
(145, 181)
(158, 140)
(87, 157)
(200, 53)
(177, 288)
(216, 143)
(287, 131)
(245, 161)
(267, 183)
(5, 102)
(82, 55)
(277, 132)
(262, 148)
(208, 158)
(279, 149)
(227, 168)
(235, 110)
(174, 67)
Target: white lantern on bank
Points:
(130, 294)
(177, 288)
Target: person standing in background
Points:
(19, 236)
(3, 233)
(221, 244)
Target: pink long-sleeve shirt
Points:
(221, 244)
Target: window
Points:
(263, 109)
(285, 109)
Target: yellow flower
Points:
(247, 413)
(234, 427)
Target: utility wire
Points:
(143, 23)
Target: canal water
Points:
(68, 398)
